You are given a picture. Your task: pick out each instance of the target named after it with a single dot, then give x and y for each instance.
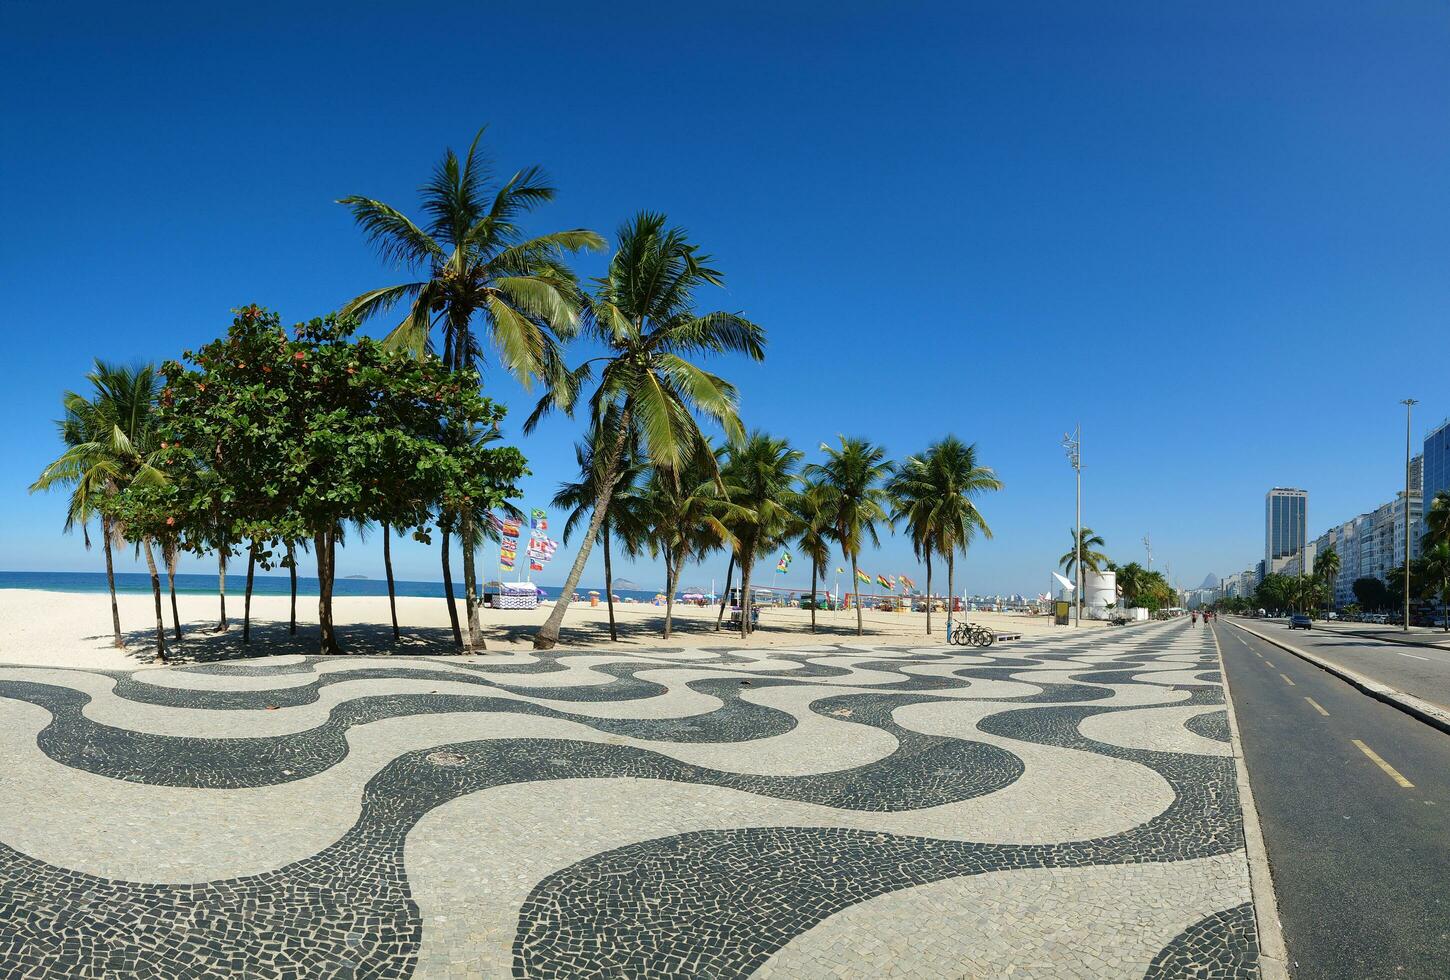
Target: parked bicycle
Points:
(970, 634)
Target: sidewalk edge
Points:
(1273, 954)
(1418, 708)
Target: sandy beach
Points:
(73, 629)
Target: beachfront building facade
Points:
(1435, 465)
(1285, 518)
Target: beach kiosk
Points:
(517, 595)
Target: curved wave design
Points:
(875, 748)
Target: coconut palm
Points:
(853, 478)
(111, 445)
(1326, 569)
(812, 531)
(624, 523)
(1092, 559)
(1437, 520)
(933, 494)
(643, 314)
(1433, 569)
(683, 508)
(759, 476)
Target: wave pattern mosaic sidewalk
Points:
(1063, 806)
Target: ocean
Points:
(205, 584)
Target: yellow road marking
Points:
(1317, 707)
(1286, 679)
(1390, 770)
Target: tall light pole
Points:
(1073, 445)
(1409, 404)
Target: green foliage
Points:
(1371, 593)
(1093, 560)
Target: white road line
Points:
(1410, 655)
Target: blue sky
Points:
(1213, 233)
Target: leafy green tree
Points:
(683, 509)
(643, 315)
(111, 445)
(1437, 521)
(1093, 560)
(759, 476)
(322, 431)
(812, 530)
(853, 478)
(1371, 593)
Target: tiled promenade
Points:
(1056, 807)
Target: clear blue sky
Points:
(1214, 233)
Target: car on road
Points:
(1299, 621)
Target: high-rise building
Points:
(1285, 509)
(1435, 463)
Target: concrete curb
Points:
(1273, 954)
(1388, 637)
(1431, 714)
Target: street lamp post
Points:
(1409, 404)
(1073, 445)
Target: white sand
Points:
(73, 629)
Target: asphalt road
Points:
(1360, 860)
(1418, 670)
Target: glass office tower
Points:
(1285, 510)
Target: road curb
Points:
(1386, 637)
(1273, 954)
(1431, 714)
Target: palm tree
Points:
(478, 264)
(1434, 570)
(623, 523)
(111, 444)
(812, 530)
(1132, 579)
(684, 508)
(759, 475)
(1437, 520)
(1326, 568)
(1092, 559)
(853, 478)
(934, 495)
(643, 313)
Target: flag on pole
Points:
(784, 563)
(907, 583)
(535, 567)
(885, 583)
(538, 520)
(862, 576)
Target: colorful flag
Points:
(535, 567)
(862, 576)
(784, 563)
(506, 562)
(839, 570)
(538, 520)
(908, 583)
(510, 529)
(885, 583)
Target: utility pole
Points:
(1409, 404)
(1073, 445)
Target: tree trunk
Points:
(169, 554)
(111, 582)
(324, 544)
(388, 567)
(292, 573)
(928, 591)
(448, 587)
(156, 594)
(746, 561)
(815, 567)
(609, 584)
(470, 582)
(856, 578)
(669, 592)
(247, 600)
(548, 635)
(221, 587)
(951, 570)
(725, 596)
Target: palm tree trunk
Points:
(815, 567)
(156, 594)
(470, 581)
(951, 584)
(221, 587)
(746, 561)
(247, 601)
(388, 567)
(324, 544)
(669, 592)
(609, 584)
(111, 581)
(856, 580)
(725, 596)
(448, 588)
(548, 635)
(292, 570)
(928, 590)
(169, 554)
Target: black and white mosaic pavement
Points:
(1060, 806)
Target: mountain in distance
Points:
(626, 585)
(1212, 581)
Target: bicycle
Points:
(970, 634)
